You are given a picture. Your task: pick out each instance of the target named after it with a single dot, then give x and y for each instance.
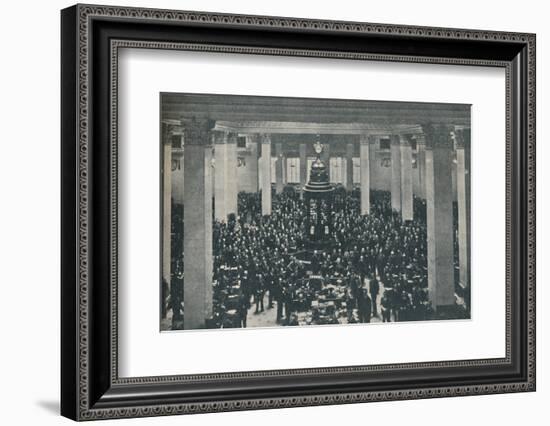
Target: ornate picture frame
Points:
(91, 37)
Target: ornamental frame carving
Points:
(91, 37)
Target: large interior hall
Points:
(296, 211)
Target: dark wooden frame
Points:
(90, 386)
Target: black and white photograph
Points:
(262, 212)
(281, 211)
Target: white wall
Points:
(29, 225)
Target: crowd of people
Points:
(375, 265)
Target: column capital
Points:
(365, 139)
(197, 131)
(461, 137)
(420, 139)
(265, 138)
(254, 137)
(167, 130)
(232, 138)
(219, 137)
(395, 140)
(399, 139)
(438, 135)
(406, 139)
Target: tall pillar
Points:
(421, 165)
(325, 157)
(265, 184)
(252, 144)
(166, 215)
(462, 138)
(396, 173)
(279, 167)
(406, 180)
(349, 166)
(285, 170)
(197, 228)
(372, 161)
(364, 159)
(439, 216)
(303, 165)
(231, 185)
(220, 176)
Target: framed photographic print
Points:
(263, 212)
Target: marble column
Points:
(373, 143)
(325, 157)
(166, 215)
(279, 167)
(252, 145)
(232, 182)
(462, 139)
(396, 173)
(364, 159)
(421, 165)
(285, 170)
(220, 178)
(439, 216)
(406, 179)
(349, 166)
(303, 165)
(197, 231)
(265, 164)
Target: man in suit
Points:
(259, 294)
(350, 303)
(374, 288)
(386, 307)
(279, 298)
(364, 305)
(288, 297)
(244, 306)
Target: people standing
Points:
(279, 299)
(288, 297)
(364, 305)
(259, 295)
(374, 288)
(350, 304)
(244, 306)
(386, 307)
